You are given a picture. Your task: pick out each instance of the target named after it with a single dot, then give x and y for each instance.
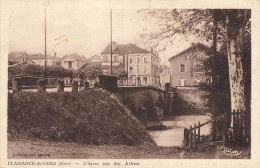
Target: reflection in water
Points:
(174, 135)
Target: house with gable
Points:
(187, 66)
(73, 61)
(142, 66)
(17, 58)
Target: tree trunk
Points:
(234, 48)
(235, 23)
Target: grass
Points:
(94, 117)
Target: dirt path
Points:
(68, 150)
(18, 148)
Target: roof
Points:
(198, 45)
(40, 56)
(74, 57)
(95, 57)
(12, 56)
(125, 49)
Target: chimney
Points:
(152, 50)
(155, 53)
(113, 45)
(55, 54)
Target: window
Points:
(138, 69)
(70, 64)
(131, 69)
(145, 59)
(199, 67)
(145, 69)
(105, 58)
(116, 58)
(131, 60)
(138, 60)
(145, 80)
(182, 68)
(182, 82)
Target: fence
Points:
(28, 81)
(234, 130)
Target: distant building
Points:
(73, 61)
(18, 58)
(95, 59)
(118, 56)
(165, 75)
(187, 68)
(142, 66)
(40, 59)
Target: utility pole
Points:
(45, 52)
(111, 39)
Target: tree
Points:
(34, 69)
(90, 70)
(235, 22)
(231, 27)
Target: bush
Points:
(91, 117)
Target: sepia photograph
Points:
(88, 82)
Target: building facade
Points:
(165, 75)
(142, 66)
(39, 59)
(73, 61)
(187, 66)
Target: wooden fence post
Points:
(199, 132)
(186, 137)
(225, 126)
(190, 136)
(235, 126)
(194, 139)
(213, 131)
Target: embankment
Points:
(93, 117)
(189, 100)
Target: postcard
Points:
(129, 83)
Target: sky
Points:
(76, 28)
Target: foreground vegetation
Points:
(92, 117)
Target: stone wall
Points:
(137, 97)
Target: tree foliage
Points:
(34, 69)
(90, 70)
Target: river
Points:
(176, 124)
